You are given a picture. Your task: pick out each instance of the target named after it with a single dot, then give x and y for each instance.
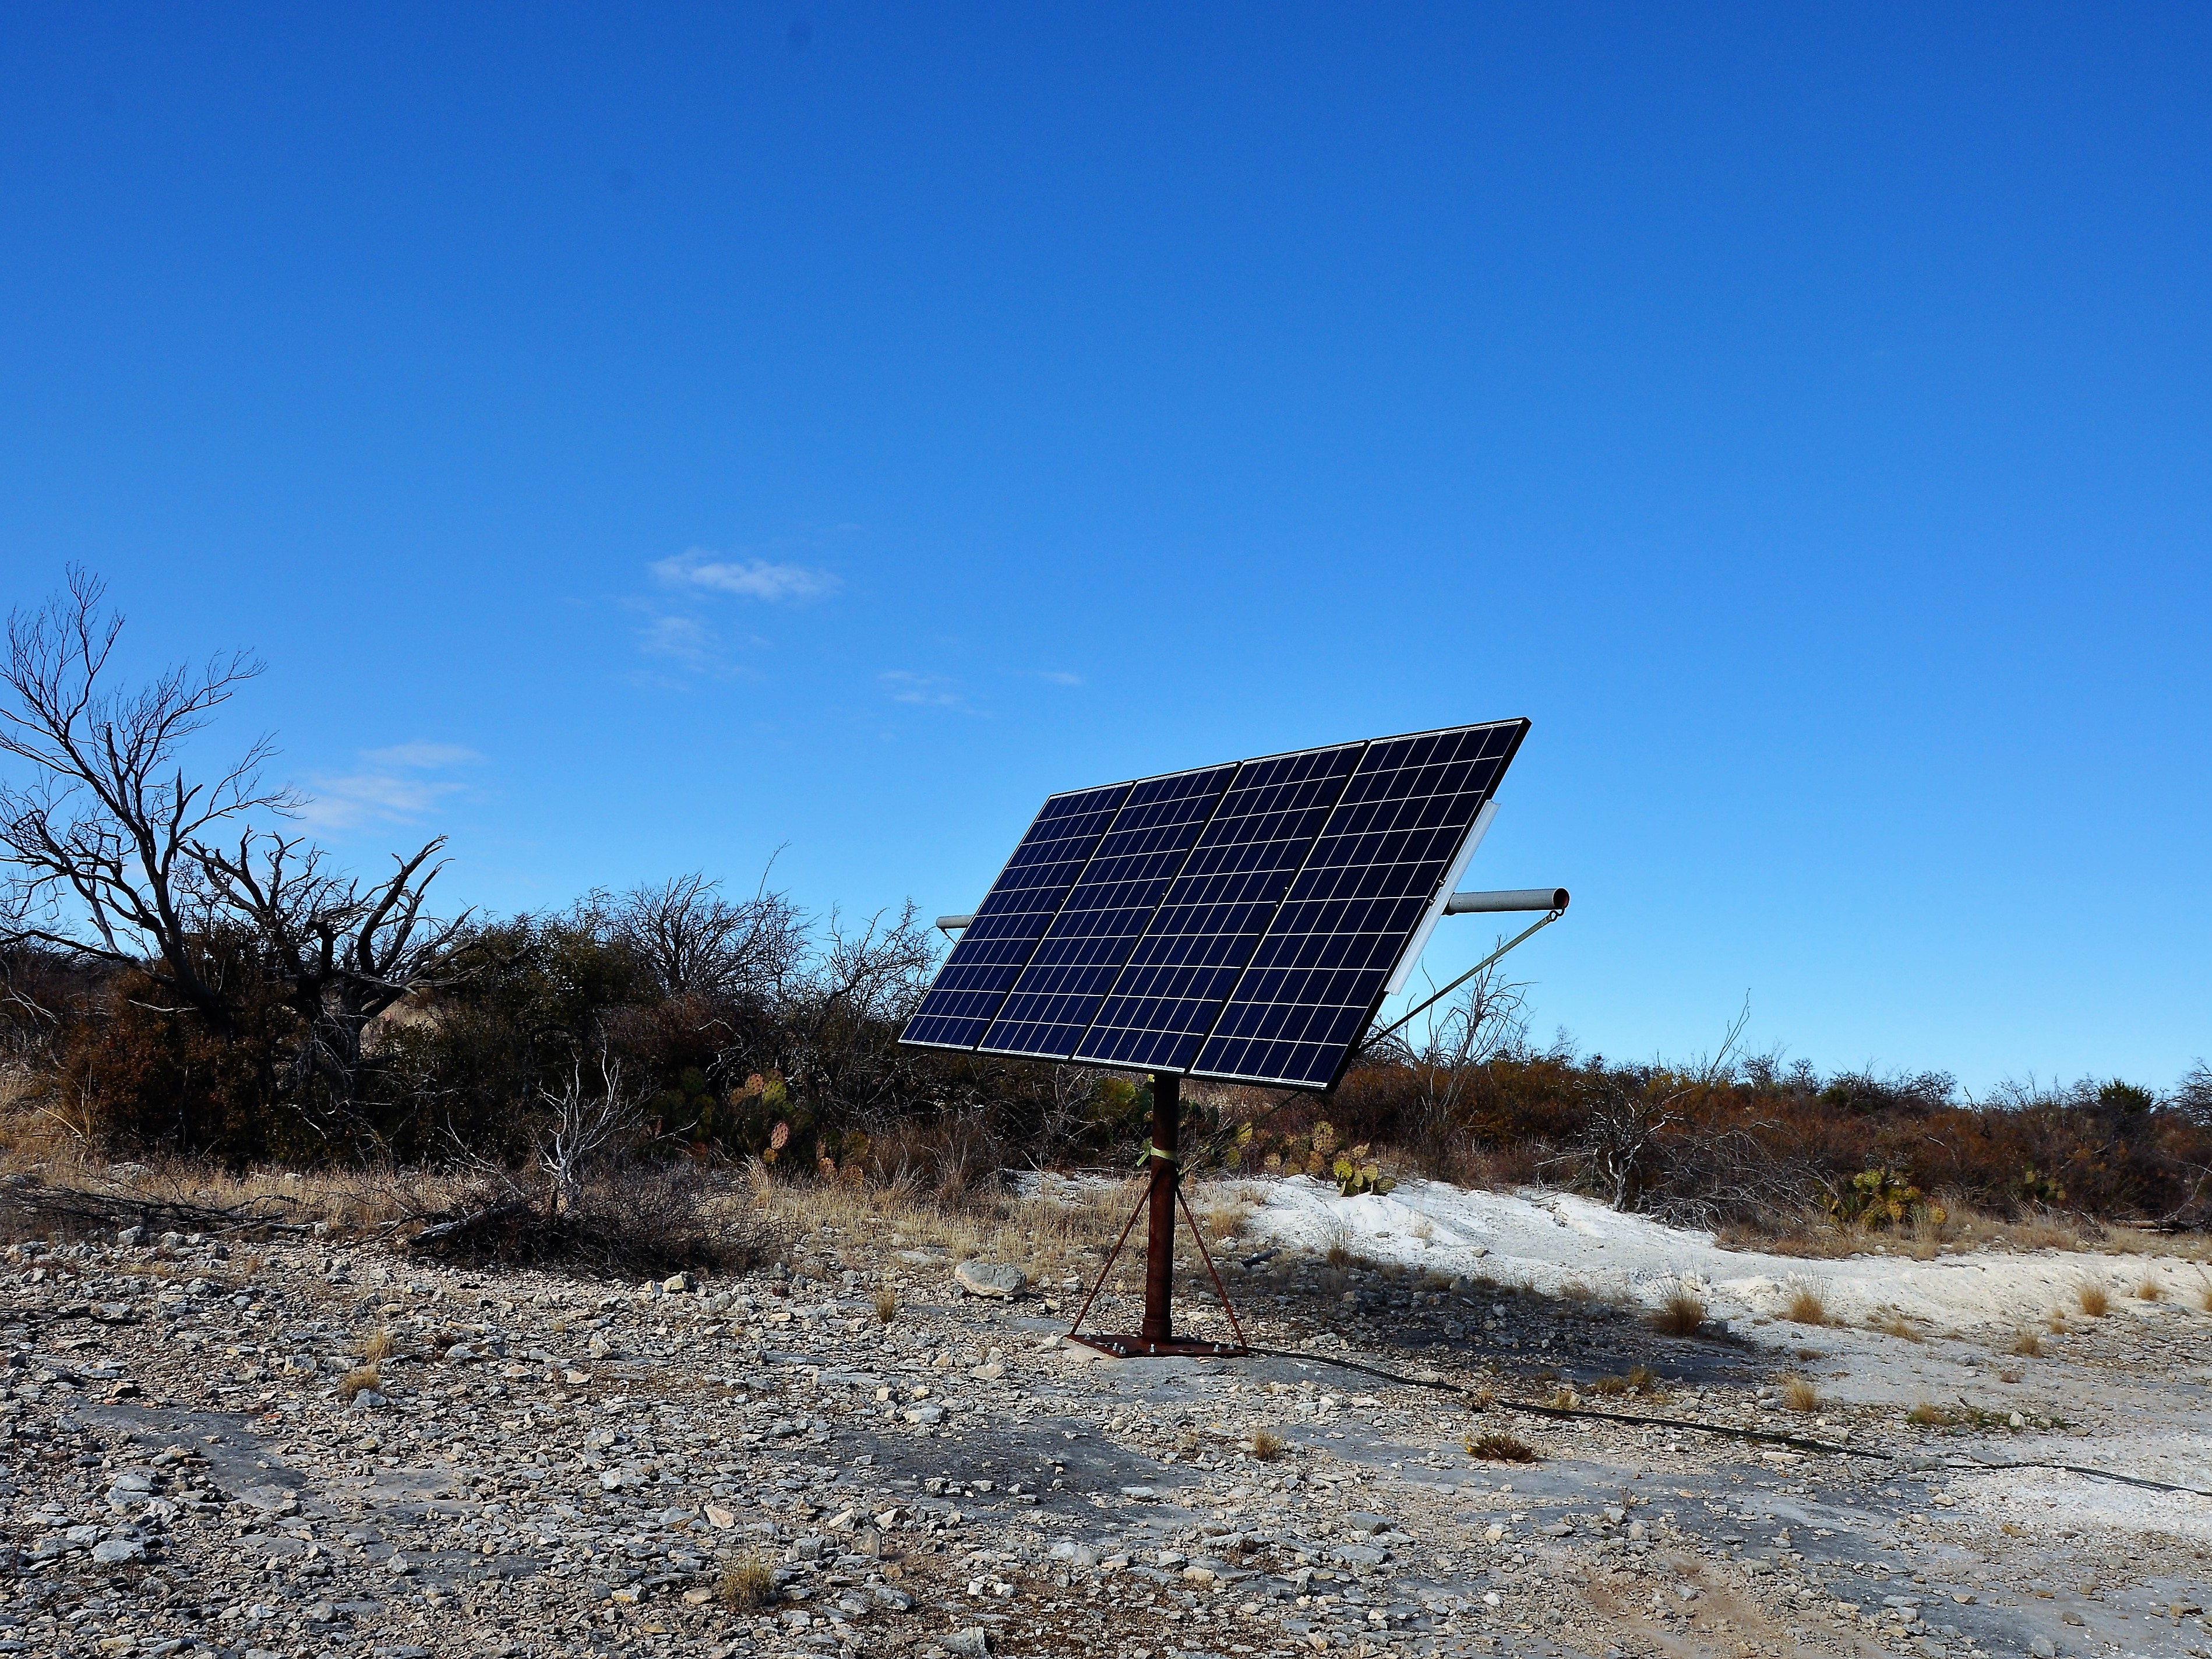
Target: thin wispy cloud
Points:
(929, 690)
(700, 571)
(422, 756)
(685, 640)
(398, 784)
(1059, 677)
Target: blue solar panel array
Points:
(1238, 922)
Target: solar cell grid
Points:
(1239, 921)
(1075, 964)
(992, 951)
(1315, 978)
(1214, 915)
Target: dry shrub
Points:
(362, 1379)
(1927, 1416)
(2057, 1322)
(2026, 1343)
(1611, 1386)
(1799, 1395)
(631, 1217)
(747, 1585)
(1267, 1444)
(887, 1305)
(2205, 1299)
(1681, 1311)
(2094, 1299)
(1807, 1305)
(1496, 1447)
(1644, 1380)
(381, 1345)
(2150, 1290)
(1890, 1322)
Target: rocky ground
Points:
(297, 1449)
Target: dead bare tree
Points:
(345, 952)
(100, 837)
(695, 942)
(586, 1127)
(1484, 1021)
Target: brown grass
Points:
(1680, 1312)
(747, 1585)
(362, 1379)
(2204, 1298)
(1496, 1448)
(1267, 1444)
(1799, 1395)
(2149, 1291)
(2026, 1343)
(1893, 1323)
(2094, 1299)
(380, 1345)
(1807, 1305)
(1927, 1416)
(887, 1305)
(2057, 1322)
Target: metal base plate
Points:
(1174, 1347)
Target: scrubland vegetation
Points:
(186, 984)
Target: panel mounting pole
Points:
(1160, 1227)
(1162, 1197)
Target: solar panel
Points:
(1239, 922)
(994, 949)
(1052, 1004)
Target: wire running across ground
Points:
(1484, 1400)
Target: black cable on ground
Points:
(1727, 1429)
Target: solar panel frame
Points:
(1259, 960)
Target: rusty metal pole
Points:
(1160, 1228)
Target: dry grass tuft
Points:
(381, 1345)
(1807, 1305)
(887, 1305)
(1799, 1395)
(1927, 1416)
(1894, 1323)
(1644, 1380)
(1611, 1386)
(747, 1585)
(363, 1379)
(2149, 1291)
(1680, 1311)
(2205, 1299)
(1338, 1253)
(2026, 1343)
(1496, 1448)
(2095, 1300)
(1267, 1444)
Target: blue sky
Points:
(642, 439)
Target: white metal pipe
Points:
(954, 924)
(1519, 898)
